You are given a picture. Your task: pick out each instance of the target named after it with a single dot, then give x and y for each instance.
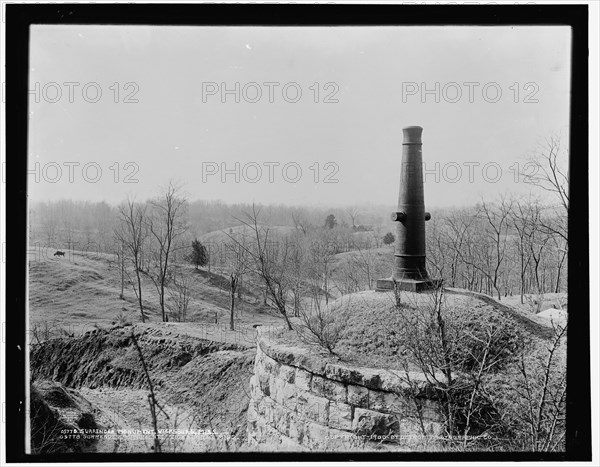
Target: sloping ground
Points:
(218, 238)
(362, 266)
(528, 322)
(71, 289)
(377, 255)
(535, 303)
(554, 316)
(71, 295)
(203, 383)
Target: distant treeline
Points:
(506, 247)
(68, 222)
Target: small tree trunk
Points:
(287, 321)
(297, 303)
(122, 275)
(233, 286)
(140, 301)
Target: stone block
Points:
(282, 419)
(431, 411)
(252, 414)
(312, 407)
(343, 374)
(287, 373)
(270, 366)
(289, 445)
(271, 436)
(395, 381)
(333, 390)
(387, 402)
(263, 383)
(292, 356)
(258, 360)
(358, 396)
(320, 438)
(283, 393)
(264, 405)
(361, 376)
(316, 436)
(253, 388)
(367, 422)
(303, 379)
(297, 429)
(340, 415)
(266, 409)
(340, 440)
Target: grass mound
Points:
(374, 334)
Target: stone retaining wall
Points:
(302, 402)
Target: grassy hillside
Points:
(80, 292)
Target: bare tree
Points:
(298, 274)
(132, 234)
(537, 239)
(270, 262)
(458, 233)
(237, 260)
(167, 225)
(324, 326)
(560, 246)
(43, 331)
(548, 169)
(299, 221)
(364, 262)
(322, 250)
(438, 251)
(487, 253)
(497, 219)
(457, 355)
(535, 401)
(353, 213)
(121, 256)
(179, 294)
(522, 217)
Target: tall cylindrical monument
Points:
(409, 271)
(409, 255)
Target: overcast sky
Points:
(176, 126)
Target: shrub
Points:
(389, 238)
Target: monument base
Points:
(408, 285)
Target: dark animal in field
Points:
(59, 253)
